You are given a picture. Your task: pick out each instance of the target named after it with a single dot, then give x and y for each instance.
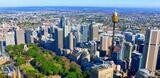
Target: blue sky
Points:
(99, 3)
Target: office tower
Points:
(65, 27)
(10, 38)
(39, 32)
(102, 71)
(84, 33)
(151, 48)
(62, 22)
(105, 43)
(51, 29)
(19, 36)
(139, 41)
(128, 36)
(143, 73)
(68, 23)
(71, 41)
(116, 56)
(92, 46)
(94, 31)
(136, 62)
(117, 53)
(76, 35)
(58, 39)
(28, 36)
(127, 52)
(2, 47)
(44, 31)
(65, 37)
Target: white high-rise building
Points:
(9, 37)
(151, 47)
(105, 43)
(19, 36)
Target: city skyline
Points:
(88, 3)
(79, 39)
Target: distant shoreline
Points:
(81, 8)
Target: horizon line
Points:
(82, 6)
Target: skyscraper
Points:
(71, 41)
(2, 47)
(19, 36)
(105, 43)
(93, 48)
(128, 36)
(94, 31)
(28, 36)
(127, 52)
(58, 39)
(62, 22)
(84, 33)
(64, 26)
(151, 48)
(65, 37)
(10, 38)
(139, 40)
(136, 62)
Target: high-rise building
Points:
(105, 43)
(45, 30)
(127, 52)
(71, 41)
(28, 36)
(84, 33)
(58, 39)
(139, 41)
(76, 35)
(65, 27)
(116, 56)
(62, 22)
(151, 47)
(2, 47)
(65, 37)
(94, 31)
(19, 36)
(10, 38)
(135, 63)
(128, 36)
(92, 46)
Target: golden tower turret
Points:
(115, 17)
